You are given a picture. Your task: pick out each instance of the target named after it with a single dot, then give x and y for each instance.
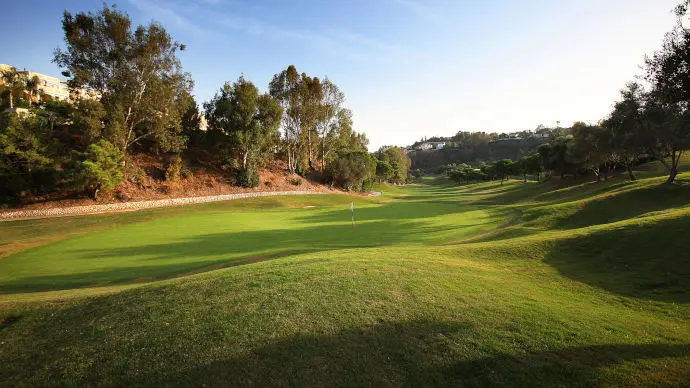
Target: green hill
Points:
(549, 284)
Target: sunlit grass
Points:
(486, 284)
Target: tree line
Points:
(650, 121)
(145, 106)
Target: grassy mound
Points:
(487, 284)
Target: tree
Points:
(503, 168)
(136, 71)
(24, 146)
(97, 169)
(351, 169)
(87, 117)
(530, 164)
(400, 162)
(12, 80)
(249, 120)
(330, 108)
(668, 108)
(384, 171)
(587, 147)
(190, 119)
(285, 88)
(311, 96)
(627, 126)
(32, 87)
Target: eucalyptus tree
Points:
(311, 101)
(331, 105)
(136, 71)
(285, 88)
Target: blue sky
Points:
(409, 68)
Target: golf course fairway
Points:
(486, 284)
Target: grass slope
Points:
(487, 284)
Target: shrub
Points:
(97, 169)
(138, 176)
(186, 173)
(248, 177)
(172, 172)
(295, 181)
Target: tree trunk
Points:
(244, 160)
(323, 155)
(628, 167)
(525, 176)
(673, 170)
(309, 153)
(11, 98)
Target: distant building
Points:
(431, 145)
(50, 86)
(53, 87)
(203, 123)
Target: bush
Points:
(172, 172)
(248, 177)
(138, 176)
(97, 169)
(186, 173)
(295, 181)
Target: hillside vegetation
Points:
(558, 283)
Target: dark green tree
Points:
(24, 147)
(351, 169)
(97, 169)
(384, 171)
(628, 130)
(668, 108)
(136, 71)
(249, 120)
(502, 168)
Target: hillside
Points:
(561, 283)
(486, 152)
(145, 180)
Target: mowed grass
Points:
(561, 283)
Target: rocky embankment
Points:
(12, 215)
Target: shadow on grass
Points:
(410, 208)
(129, 274)
(144, 263)
(648, 261)
(416, 354)
(625, 205)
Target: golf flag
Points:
(352, 208)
